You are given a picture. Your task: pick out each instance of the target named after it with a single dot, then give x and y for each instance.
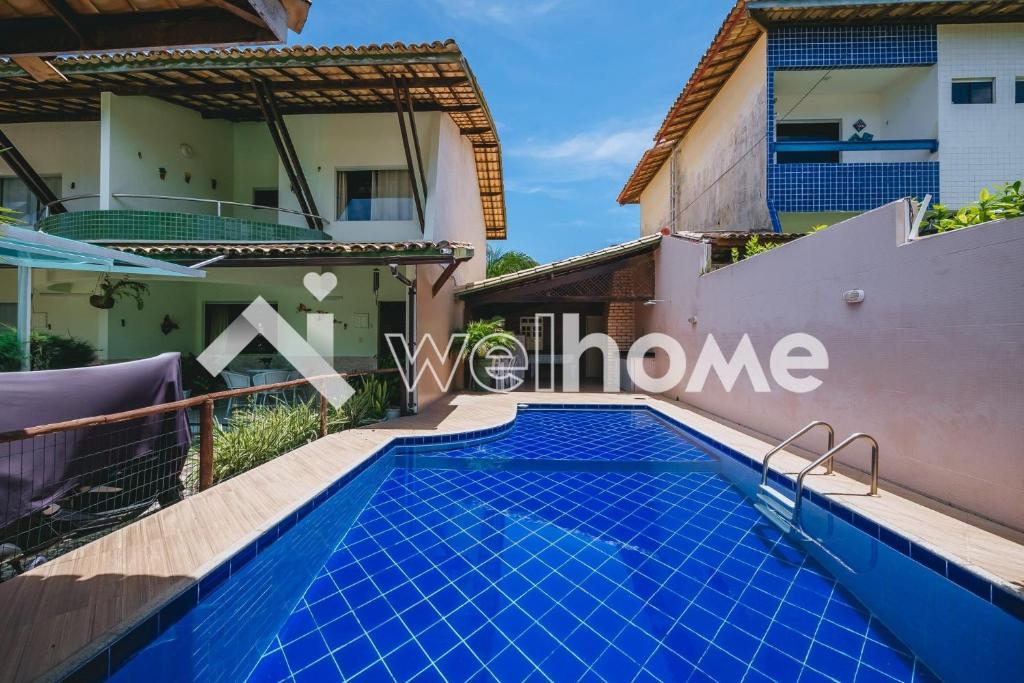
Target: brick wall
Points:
(622, 323)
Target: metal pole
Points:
(206, 445)
(323, 415)
(25, 316)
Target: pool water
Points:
(599, 545)
(507, 575)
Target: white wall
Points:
(327, 143)
(722, 171)
(147, 134)
(70, 149)
(894, 103)
(980, 144)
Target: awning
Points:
(301, 253)
(617, 273)
(28, 249)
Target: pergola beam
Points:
(286, 151)
(10, 154)
(45, 36)
(408, 155)
(234, 87)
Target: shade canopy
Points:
(28, 249)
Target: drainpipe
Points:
(774, 215)
(411, 405)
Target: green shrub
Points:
(257, 434)
(755, 246)
(1007, 202)
(48, 351)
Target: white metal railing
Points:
(219, 203)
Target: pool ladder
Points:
(789, 509)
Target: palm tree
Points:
(504, 262)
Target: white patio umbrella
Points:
(28, 249)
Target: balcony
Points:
(823, 187)
(178, 219)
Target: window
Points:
(1019, 98)
(14, 194)
(265, 197)
(218, 316)
(808, 131)
(374, 196)
(974, 92)
(8, 315)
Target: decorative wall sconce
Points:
(188, 177)
(163, 173)
(168, 325)
(186, 150)
(72, 184)
(213, 183)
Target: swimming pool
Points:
(573, 544)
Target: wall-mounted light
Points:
(213, 183)
(186, 150)
(853, 296)
(188, 177)
(652, 302)
(163, 173)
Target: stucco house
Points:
(266, 164)
(804, 112)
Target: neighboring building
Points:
(805, 112)
(169, 154)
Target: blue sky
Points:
(577, 88)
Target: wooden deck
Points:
(58, 615)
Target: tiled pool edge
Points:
(103, 663)
(964, 577)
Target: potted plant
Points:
(482, 336)
(112, 291)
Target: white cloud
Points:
(500, 11)
(607, 149)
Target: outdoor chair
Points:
(234, 380)
(271, 377)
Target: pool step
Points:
(776, 507)
(776, 500)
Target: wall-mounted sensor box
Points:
(853, 296)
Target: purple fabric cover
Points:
(35, 472)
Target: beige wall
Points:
(721, 164)
(929, 363)
(147, 134)
(70, 150)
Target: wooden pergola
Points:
(268, 84)
(34, 29)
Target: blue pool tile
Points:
(321, 671)
(304, 651)
(521, 574)
(272, 668)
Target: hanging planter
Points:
(112, 291)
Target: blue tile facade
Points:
(846, 186)
(548, 507)
(849, 187)
(839, 45)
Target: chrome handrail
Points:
(794, 437)
(829, 456)
(218, 202)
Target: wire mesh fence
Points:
(66, 484)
